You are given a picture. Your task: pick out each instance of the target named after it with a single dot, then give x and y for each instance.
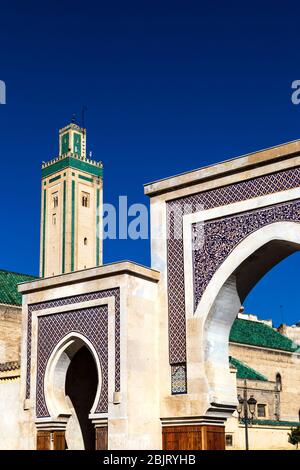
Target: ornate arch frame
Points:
(56, 371)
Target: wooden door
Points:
(101, 438)
(193, 437)
(215, 437)
(43, 440)
(182, 438)
(59, 441)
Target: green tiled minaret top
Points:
(72, 153)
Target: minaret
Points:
(71, 222)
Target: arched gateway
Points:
(72, 384)
(215, 232)
(155, 341)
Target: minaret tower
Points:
(71, 222)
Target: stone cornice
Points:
(228, 167)
(73, 161)
(107, 270)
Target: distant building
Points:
(292, 332)
(266, 360)
(10, 316)
(10, 355)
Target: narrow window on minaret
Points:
(55, 200)
(85, 241)
(85, 198)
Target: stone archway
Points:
(231, 283)
(72, 386)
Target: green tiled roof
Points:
(270, 422)
(244, 371)
(9, 287)
(259, 334)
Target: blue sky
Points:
(169, 86)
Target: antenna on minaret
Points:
(73, 118)
(83, 113)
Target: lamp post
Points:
(246, 410)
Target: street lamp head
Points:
(240, 399)
(252, 404)
(240, 405)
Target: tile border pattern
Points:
(114, 292)
(223, 235)
(176, 208)
(92, 323)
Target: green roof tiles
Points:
(259, 334)
(246, 372)
(270, 422)
(9, 287)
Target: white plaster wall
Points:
(13, 423)
(143, 364)
(73, 436)
(217, 330)
(9, 412)
(135, 424)
(260, 437)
